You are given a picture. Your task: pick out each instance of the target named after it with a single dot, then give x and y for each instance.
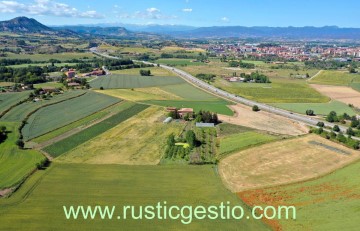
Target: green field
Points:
(15, 164)
(327, 203)
(81, 184)
(10, 99)
(84, 122)
(18, 113)
(319, 108)
(129, 81)
(75, 140)
(46, 57)
(276, 92)
(49, 84)
(189, 92)
(355, 86)
(155, 71)
(219, 106)
(179, 62)
(335, 78)
(47, 119)
(237, 142)
(41, 65)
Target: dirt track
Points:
(262, 120)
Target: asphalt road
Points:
(232, 97)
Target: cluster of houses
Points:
(71, 73)
(233, 79)
(295, 51)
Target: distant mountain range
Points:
(327, 32)
(28, 25)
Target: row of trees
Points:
(340, 137)
(256, 77)
(241, 64)
(206, 77)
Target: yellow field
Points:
(155, 71)
(138, 141)
(141, 94)
(284, 162)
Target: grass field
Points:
(225, 129)
(179, 62)
(6, 84)
(77, 139)
(335, 78)
(356, 86)
(79, 124)
(47, 119)
(18, 113)
(284, 162)
(46, 57)
(141, 94)
(155, 71)
(15, 164)
(276, 92)
(10, 99)
(327, 203)
(139, 141)
(236, 142)
(81, 184)
(189, 92)
(319, 108)
(42, 65)
(219, 106)
(49, 84)
(129, 81)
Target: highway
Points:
(234, 98)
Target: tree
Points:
(310, 112)
(171, 140)
(255, 108)
(321, 124)
(20, 143)
(2, 129)
(190, 138)
(336, 128)
(350, 132)
(145, 72)
(101, 88)
(332, 117)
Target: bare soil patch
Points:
(262, 120)
(284, 162)
(341, 93)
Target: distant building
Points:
(73, 84)
(167, 120)
(71, 73)
(185, 111)
(205, 125)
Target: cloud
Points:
(149, 13)
(225, 19)
(153, 10)
(188, 10)
(46, 7)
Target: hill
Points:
(24, 25)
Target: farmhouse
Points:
(185, 111)
(181, 112)
(73, 84)
(71, 73)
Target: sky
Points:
(198, 13)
